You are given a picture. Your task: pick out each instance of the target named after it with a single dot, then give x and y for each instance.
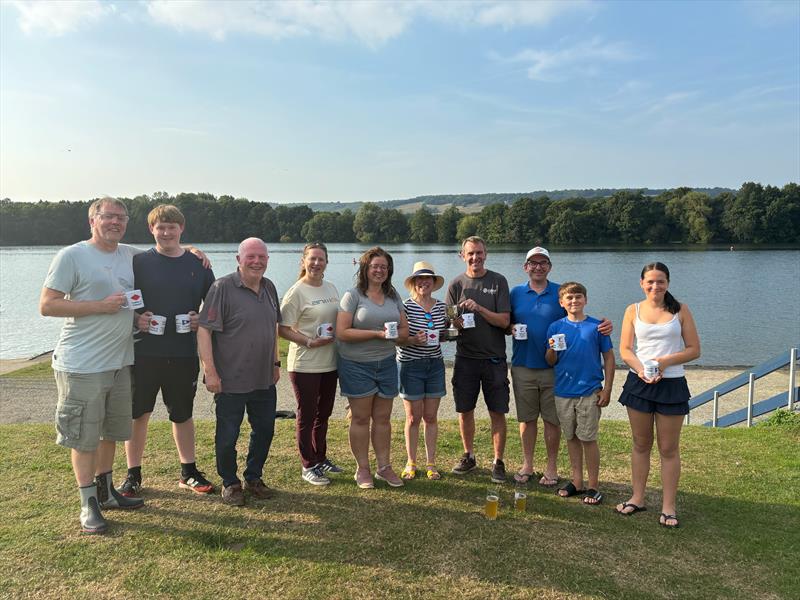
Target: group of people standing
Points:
(369, 341)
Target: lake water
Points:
(745, 302)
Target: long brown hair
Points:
(362, 283)
(306, 248)
(670, 303)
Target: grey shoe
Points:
(92, 520)
(108, 497)
(498, 471)
(327, 467)
(314, 476)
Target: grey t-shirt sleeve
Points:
(349, 301)
(61, 276)
(212, 315)
(452, 293)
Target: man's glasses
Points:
(106, 217)
(538, 264)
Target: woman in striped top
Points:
(422, 366)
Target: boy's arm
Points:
(609, 369)
(551, 356)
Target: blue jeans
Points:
(230, 409)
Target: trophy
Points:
(452, 314)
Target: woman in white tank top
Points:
(664, 331)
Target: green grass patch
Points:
(40, 370)
(43, 370)
(738, 503)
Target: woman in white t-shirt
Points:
(308, 320)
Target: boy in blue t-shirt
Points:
(579, 389)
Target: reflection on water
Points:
(744, 302)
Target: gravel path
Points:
(34, 400)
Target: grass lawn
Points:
(739, 506)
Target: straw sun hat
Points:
(423, 268)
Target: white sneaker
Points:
(314, 476)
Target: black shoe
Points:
(131, 487)
(197, 483)
(498, 471)
(110, 498)
(465, 465)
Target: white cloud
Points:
(517, 14)
(371, 22)
(368, 21)
(59, 17)
(564, 63)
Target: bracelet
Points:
(308, 342)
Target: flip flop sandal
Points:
(409, 471)
(432, 472)
(547, 481)
(571, 491)
(665, 517)
(594, 495)
(522, 478)
(630, 512)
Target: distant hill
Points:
(472, 203)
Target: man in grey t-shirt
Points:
(86, 284)
(238, 345)
(480, 362)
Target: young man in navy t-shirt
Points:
(173, 282)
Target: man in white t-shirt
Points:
(86, 284)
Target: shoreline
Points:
(33, 399)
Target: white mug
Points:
(469, 320)
(134, 299)
(183, 323)
(390, 330)
(650, 368)
(432, 337)
(520, 331)
(157, 325)
(558, 342)
(325, 330)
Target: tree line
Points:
(754, 214)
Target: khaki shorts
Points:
(93, 406)
(533, 394)
(579, 416)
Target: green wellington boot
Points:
(92, 520)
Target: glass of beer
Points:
(492, 506)
(520, 500)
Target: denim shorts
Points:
(359, 379)
(421, 378)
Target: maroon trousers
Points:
(315, 393)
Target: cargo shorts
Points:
(91, 407)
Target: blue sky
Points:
(367, 101)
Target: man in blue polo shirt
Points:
(535, 304)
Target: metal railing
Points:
(748, 378)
